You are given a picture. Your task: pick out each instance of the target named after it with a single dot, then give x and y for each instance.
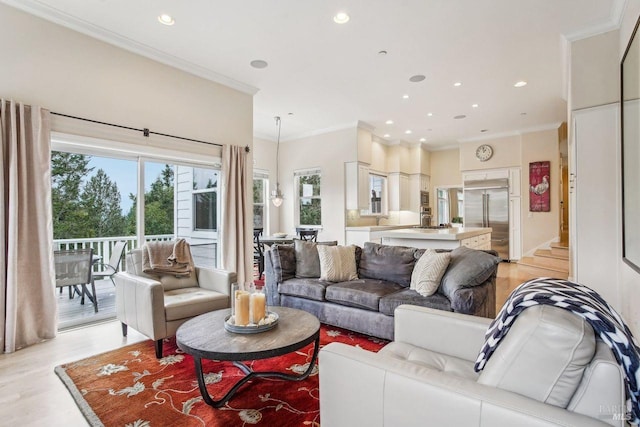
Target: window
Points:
(378, 196)
(443, 206)
(260, 185)
(309, 202)
(205, 199)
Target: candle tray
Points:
(251, 329)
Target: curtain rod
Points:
(145, 131)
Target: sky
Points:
(124, 174)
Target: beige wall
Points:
(67, 72)
(506, 153)
(538, 228)
(264, 158)
(328, 152)
(594, 71)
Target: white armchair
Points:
(157, 306)
(549, 370)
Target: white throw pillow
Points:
(428, 272)
(337, 263)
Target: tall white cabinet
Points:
(595, 199)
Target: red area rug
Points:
(130, 387)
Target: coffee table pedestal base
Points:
(250, 374)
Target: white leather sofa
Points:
(157, 306)
(549, 370)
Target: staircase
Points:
(552, 262)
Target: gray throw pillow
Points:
(283, 259)
(467, 268)
(307, 259)
(384, 262)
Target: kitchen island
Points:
(442, 238)
(360, 235)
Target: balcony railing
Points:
(204, 253)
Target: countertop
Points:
(379, 227)
(436, 234)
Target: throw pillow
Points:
(384, 262)
(307, 261)
(428, 271)
(337, 263)
(469, 267)
(283, 259)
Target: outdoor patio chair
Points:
(73, 269)
(108, 270)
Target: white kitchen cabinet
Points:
(417, 183)
(424, 182)
(484, 175)
(514, 182)
(398, 192)
(357, 186)
(515, 234)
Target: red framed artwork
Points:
(539, 192)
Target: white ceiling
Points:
(330, 76)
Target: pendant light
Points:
(276, 195)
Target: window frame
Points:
(264, 177)
(297, 175)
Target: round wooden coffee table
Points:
(204, 337)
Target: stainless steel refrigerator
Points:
(486, 204)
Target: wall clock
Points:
(484, 152)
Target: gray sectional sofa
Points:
(367, 304)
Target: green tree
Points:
(68, 172)
(101, 202)
(158, 206)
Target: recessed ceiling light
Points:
(523, 114)
(429, 130)
(405, 96)
(386, 135)
(289, 114)
(389, 122)
(408, 131)
(430, 114)
(259, 63)
(341, 18)
(417, 78)
(520, 83)
(460, 116)
(474, 105)
(484, 130)
(166, 19)
(457, 84)
(382, 52)
(423, 139)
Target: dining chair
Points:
(111, 268)
(258, 251)
(73, 269)
(308, 234)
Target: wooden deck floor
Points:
(72, 314)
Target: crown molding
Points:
(56, 16)
(519, 132)
(612, 23)
(316, 132)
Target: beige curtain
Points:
(27, 298)
(237, 236)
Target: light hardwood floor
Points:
(32, 395)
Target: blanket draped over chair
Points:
(587, 304)
(172, 258)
